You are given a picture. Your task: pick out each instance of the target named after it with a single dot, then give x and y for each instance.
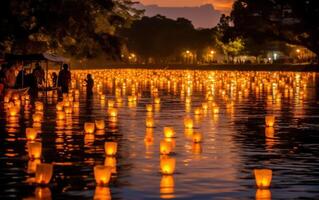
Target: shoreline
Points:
(225, 67)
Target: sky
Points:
(222, 5)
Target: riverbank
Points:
(230, 67)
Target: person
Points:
(64, 79)
(38, 72)
(21, 79)
(89, 84)
(54, 77)
(10, 76)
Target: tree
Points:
(292, 21)
(82, 28)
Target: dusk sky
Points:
(222, 5)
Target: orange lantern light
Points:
(110, 162)
(102, 175)
(169, 132)
(43, 173)
(34, 150)
(39, 106)
(149, 122)
(110, 148)
(110, 103)
(89, 127)
(59, 106)
(100, 124)
(270, 120)
(13, 111)
(31, 133)
(43, 193)
(157, 100)
(167, 165)
(165, 147)
(197, 137)
(149, 108)
(188, 123)
(112, 112)
(60, 115)
(32, 164)
(263, 194)
(263, 178)
(167, 187)
(37, 117)
(102, 192)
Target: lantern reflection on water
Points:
(110, 162)
(34, 150)
(37, 117)
(197, 137)
(188, 122)
(89, 127)
(42, 193)
(102, 175)
(112, 112)
(263, 178)
(149, 122)
(167, 165)
(102, 193)
(263, 194)
(43, 173)
(270, 120)
(31, 133)
(167, 187)
(149, 108)
(110, 148)
(32, 164)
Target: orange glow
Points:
(197, 137)
(102, 175)
(188, 122)
(169, 132)
(100, 124)
(89, 127)
(149, 122)
(263, 194)
(43, 173)
(165, 147)
(270, 120)
(31, 133)
(34, 150)
(167, 165)
(110, 148)
(112, 112)
(263, 178)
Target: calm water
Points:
(235, 140)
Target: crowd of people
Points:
(15, 76)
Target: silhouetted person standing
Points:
(64, 79)
(89, 85)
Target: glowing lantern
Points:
(167, 165)
(188, 123)
(76, 104)
(59, 106)
(89, 127)
(39, 106)
(6, 99)
(102, 193)
(110, 148)
(13, 111)
(31, 133)
(102, 175)
(165, 147)
(215, 110)
(60, 115)
(100, 124)
(43, 173)
(149, 122)
(204, 106)
(169, 132)
(37, 117)
(112, 112)
(102, 97)
(149, 108)
(34, 150)
(270, 120)
(197, 148)
(157, 100)
(197, 137)
(263, 194)
(32, 164)
(263, 178)
(110, 103)
(68, 110)
(197, 111)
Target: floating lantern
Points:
(34, 150)
(263, 178)
(60, 115)
(31, 133)
(205, 106)
(188, 122)
(263, 194)
(13, 111)
(197, 148)
(270, 120)
(149, 108)
(215, 110)
(100, 124)
(32, 164)
(167, 165)
(169, 132)
(68, 110)
(165, 147)
(149, 122)
(102, 175)
(76, 104)
(157, 100)
(6, 99)
(89, 127)
(39, 106)
(59, 106)
(270, 132)
(102, 97)
(112, 112)
(197, 111)
(197, 137)
(37, 117)
(43, 173)
(110, 148)
(110, 103)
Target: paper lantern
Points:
(197, 111)
(149, 108)
(110, 103)
(110, 148)
(157, 100)
(76, 104)
(100, 124)
(31, 133)
(169, 132)
(43, 173)
(197, 137)
(197, 148)
(215, 110)
(39, 106)
(37, 117)
(60, 115)
(204, 106)
(165, 147)
(68, 110)
(112, 112)
(167, 165)
(263, 178)
(13, 111)
(149, 122)
(32, 165)
(102, 175)
(34, 150)
(270, 120)
(263, 194)
(59, 106)
(270, 132)
(103, 97)
(188, 123)
(89, 127)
